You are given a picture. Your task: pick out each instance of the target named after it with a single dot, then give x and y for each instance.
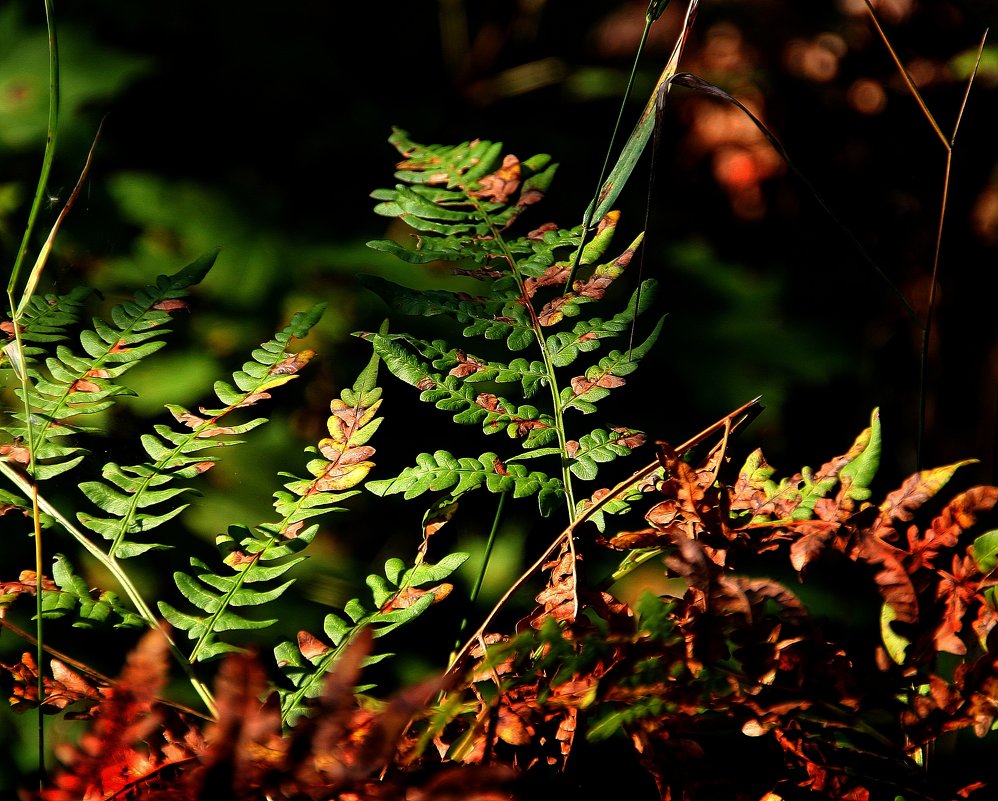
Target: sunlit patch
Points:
(923, 72)
(741, 158)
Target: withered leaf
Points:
(913, 492)
(293, 363)
(407, 596)
(500, 185)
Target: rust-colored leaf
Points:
(556, 275)
(407, 596)
(186, 418)
(311, 646)
(813, 536)
(538, 232)
(133, 739)
(960, 514)
(913, 492)
(499, 186)
(293, 363)
(466, 365)
(558, 598)
(551, 313)
(15, 453)
(170, 305)
(215, 431)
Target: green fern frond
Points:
(502, 317)
(44, 319)
(397, 598)
(125, 491)
(74, 385)
(461, 201)
(440, 471)
(530, 375)
(595, 384)
(339, 463)
(599, 447)
(75, 596)
(564, 347)
(795, 497)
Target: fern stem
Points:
(127, 586)
(552, 378)
(735, 419)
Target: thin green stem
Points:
(21, 369)
(480, 578)
(49, 156)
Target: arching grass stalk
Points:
(655, 10)
(948, 143)
(735, 419)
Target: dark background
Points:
(262, 129)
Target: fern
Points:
(75, 596)
(795, 497)
(126, 491)
(44, 319)
(462, 203)
(255, 558)
(398, 597)
(72, 385)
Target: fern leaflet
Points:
(339, 463)
(73, 385)
(463, 202)
(126, 491)
(397, 598)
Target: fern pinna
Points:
(72, 384)
(463, 203)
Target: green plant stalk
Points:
(611, 188)
(47, 159)
(480, 578)
(50, 141)
(653, 12)
(115, 569)
(22, 375)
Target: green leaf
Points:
(984, 550)
(859, 473)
